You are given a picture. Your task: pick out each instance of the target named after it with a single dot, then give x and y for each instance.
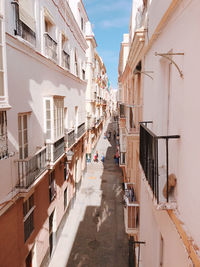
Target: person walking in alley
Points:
(117, 157)
(117, 141)
(96, 157)
(102, 158)
(114, 135)
(109, 135)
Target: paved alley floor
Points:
(93, 235)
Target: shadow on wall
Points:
(101, 239)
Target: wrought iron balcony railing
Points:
(55, 150)
(31, 168)
(155, 163)
(70, 138)
(50, 47)
(65, 60)
(80, 130)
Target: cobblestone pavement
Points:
(93, 235)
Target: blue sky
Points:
(110, 20)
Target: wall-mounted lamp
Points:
(69, 155)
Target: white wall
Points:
(31, 77)
(179, 35)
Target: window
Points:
(23, 135)
(58, 118)
(2, 93)
(76, 117)
(161, 250)
(50, 45)
(52, 186)
(82, 24)
(76, 63)
(48, 119)
(51, 232)
(83, 74)
(65, 198)
(3, 135)
(28, 212)
(54, 117)
(66, 123)
(66, 171)
(83, 66)
(25, 20)
(65, 57)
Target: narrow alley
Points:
(93, 234)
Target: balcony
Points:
(55, 150)
(80, 130)
(154, 160)
(70, 138)
(65, 60)
(31, 168)
(131, 210)
(50, 47)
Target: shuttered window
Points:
(26, 13)
(48, 119)
(23, 136)
(28, 212)
(54, 118)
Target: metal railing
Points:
(70, 138)
(55, 150)
(149, 159)
(80, 130)
(50, 47)
(21, 29)
(31, 168)
(65, 60)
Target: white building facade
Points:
(159, 83)
(44, 159)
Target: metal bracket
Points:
(145, 73)
(167, 56)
